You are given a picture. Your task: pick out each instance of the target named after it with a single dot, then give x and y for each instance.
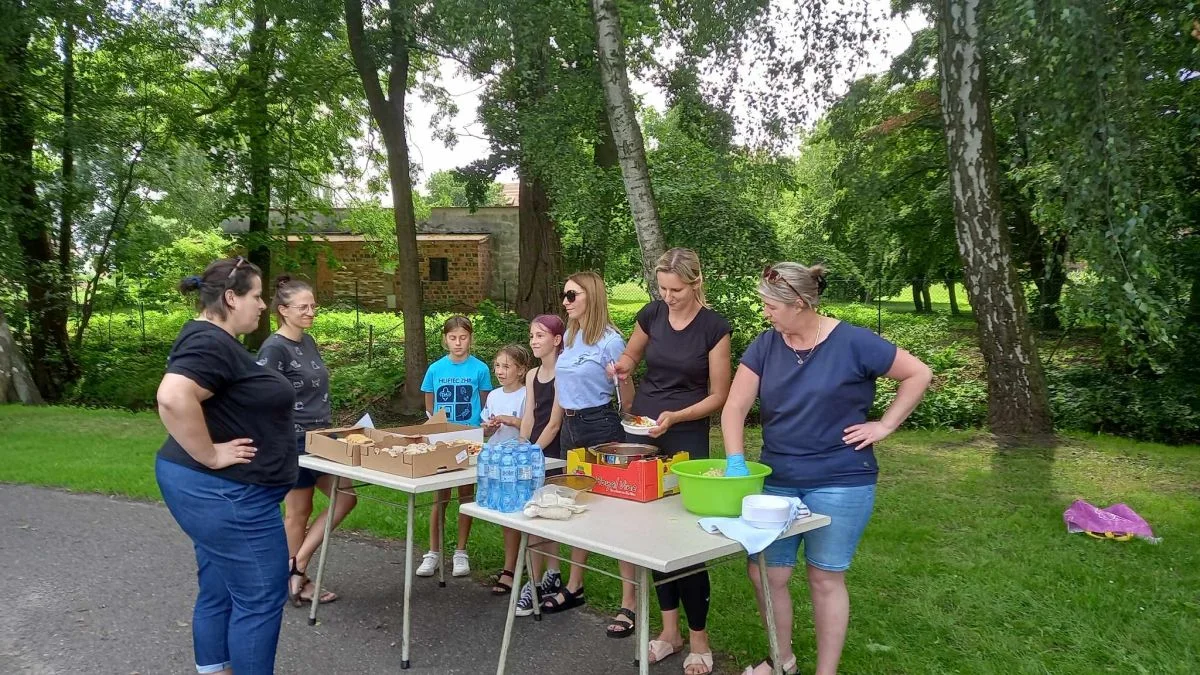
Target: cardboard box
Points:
(437, 429)
(447, 456)
(322, 443)
(641, 481)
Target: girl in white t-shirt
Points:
(506, 405)
(502, 422)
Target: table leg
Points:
(406, 627)
(442, 549)
(533, 584)
(316, 598)
(518, 569)
(643, 620)
(769, 610)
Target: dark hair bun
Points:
(282, 280)
(189, 284)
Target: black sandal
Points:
(295, 598)
(498, 586)
(627, 628)
(551, 605)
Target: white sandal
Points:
(695, 659)
(661, 649)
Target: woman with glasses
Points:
(584, 392)
(814, 377)
(293, 353)
(226, 466)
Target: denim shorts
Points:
(305, 478)
(829, 548)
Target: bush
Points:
(1157, 408)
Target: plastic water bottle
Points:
(508, 480)
(524, 472)
(482, 484)
(537, 463)
(493, 477)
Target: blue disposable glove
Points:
(735, 466)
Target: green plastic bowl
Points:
(717, 495)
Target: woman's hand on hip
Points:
(867, 433)
(237, 451)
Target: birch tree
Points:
(1018, 400)
(631, 150)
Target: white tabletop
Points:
(440, 481)
(658, 535)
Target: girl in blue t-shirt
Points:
(814, 377)
(457, 384)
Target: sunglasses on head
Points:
(238, 262)
(771, 276)
(571, 296)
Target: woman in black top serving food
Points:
(225, 468)
(686, 349)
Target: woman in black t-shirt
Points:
(686, 348)
(225, 468)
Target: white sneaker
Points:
(429, 564)
(462, 564)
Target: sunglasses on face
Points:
(771, 276)
(571, 296)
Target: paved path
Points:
(93, 584)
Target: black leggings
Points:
(693, 590)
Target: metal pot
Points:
(621, 454)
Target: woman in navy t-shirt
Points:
(686, 348)
(815, 378)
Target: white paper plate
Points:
(636, 430)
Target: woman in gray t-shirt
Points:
(292, 352)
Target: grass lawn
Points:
(966, 566)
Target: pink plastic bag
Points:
(1117, 519)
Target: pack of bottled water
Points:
(509, 473)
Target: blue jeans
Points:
(242, 558)
(829, 548)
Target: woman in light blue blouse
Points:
(584, 391)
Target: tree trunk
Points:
(631, 149)
(604, 157)
(48, 292)
(258, 238)
(953, 295)
(918, 307)
(1018, 402)
(925, 295)
(16, 384)
(540, 262)
(1052, 285)
(100, 262)
(67, 215)
(388, 112)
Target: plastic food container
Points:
(717, 495)
(766, 512)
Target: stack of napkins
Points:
(753, 538)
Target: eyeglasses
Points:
(305, 308)
(239, 261)
(771, 276)
(571, 296)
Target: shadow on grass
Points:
(1026, 467)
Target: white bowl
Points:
(636, 430)
(765, 511)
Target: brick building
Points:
(464, 257)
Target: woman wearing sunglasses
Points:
(292, 352)
(584, 392)
(815, 378)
